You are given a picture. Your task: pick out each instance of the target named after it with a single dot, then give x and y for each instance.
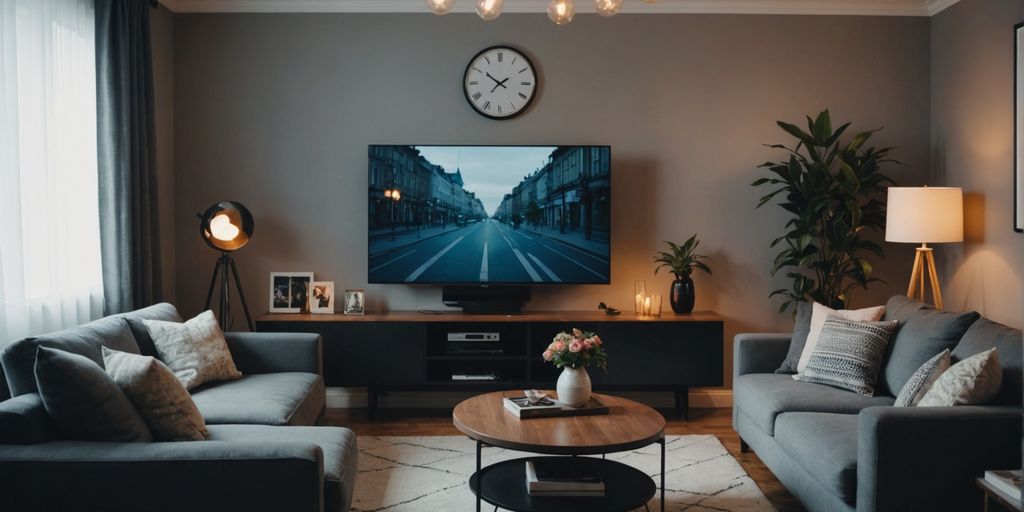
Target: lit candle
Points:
(647, 305)
(639, 305)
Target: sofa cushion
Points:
(985, 334)
(341, 454)
(924, 331)
(18, 359)
(849, 354)
(825, 445)
(764, 396)
(162, 311)
(973, 381)
(801, 328)
(291, 398)
(84, 402)
(922, 380)
(23, 420)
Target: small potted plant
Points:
(573, 352)
(681, 261)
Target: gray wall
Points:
(972, 145)
(276, 111)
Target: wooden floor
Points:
(433, 422)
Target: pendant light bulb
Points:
(607, 8)
(440, 7)
(489, 9)
(561, 11)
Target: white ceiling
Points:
(836, 7)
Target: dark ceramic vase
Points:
(681, 295)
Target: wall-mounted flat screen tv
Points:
(489, 214)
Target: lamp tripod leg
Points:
(915, 275)
(241, 295)
(225, 307)
(213, 283)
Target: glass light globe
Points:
(489, 9)
(440, 6)
(607, 7)
(561, 11)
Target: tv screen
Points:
(489, 214)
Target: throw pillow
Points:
(973, 381)
(83, 401)
(985, 334)
(23, 420)
(924, 332)
(818, 316)
(161, 400)
(195, 350)
(801, 328)
(849, 354)
(923, 379)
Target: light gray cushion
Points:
(921, 381)
(18, 359)
(194, 350)
(162, 311)
(84, 402)
(985, 334)
(291, 398)
(801, 329)
(973, 381)
(763, 396)
(160, 399)
(341, 454)
(23, 420)
(825, 445)
(924, 331)
(849, 354)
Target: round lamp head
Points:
(226, 226)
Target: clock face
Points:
(499, 82)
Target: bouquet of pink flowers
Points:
(577, 350)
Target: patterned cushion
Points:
(849, 354)
(819, 313)
(973, 381)
(921, 381)
(195, 351)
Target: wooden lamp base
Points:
(925, 256)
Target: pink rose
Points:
(559, 346)
(597, 340)
(588, 343)
(575, 346)
(548, 355)
(578, 334)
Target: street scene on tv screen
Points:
(489, 214)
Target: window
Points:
(50, 273)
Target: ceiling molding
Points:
(813, 7)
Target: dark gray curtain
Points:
(129, 233)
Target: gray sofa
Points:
(265, 452)
(838, 451)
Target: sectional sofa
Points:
(840, 451)
(265, 454)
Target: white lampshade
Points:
(925, 215)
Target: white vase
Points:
(574, 387)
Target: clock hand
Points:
(501, 83)
(491, 77)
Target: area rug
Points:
(404, 474)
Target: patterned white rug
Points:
(405, 474)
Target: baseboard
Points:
(342, 398)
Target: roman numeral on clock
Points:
(523, 96)
(501, 55)
(487, 105)
(476, 96)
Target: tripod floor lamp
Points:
(924, 215)
(226, 227)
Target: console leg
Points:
(371, 402)
(682, 396)
(744, 447)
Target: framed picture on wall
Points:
(1018, 129)
(321, 299)
(289, 292)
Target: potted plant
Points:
(681, 261)
(573, 353)
(835, 193)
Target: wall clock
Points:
(499, 82)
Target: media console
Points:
(408, 350)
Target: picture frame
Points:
(289, 292)
(321, 297)
(1018, 128)
(355, 302)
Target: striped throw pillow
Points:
(849, 354)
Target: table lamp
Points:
(924, 215)
(226, 227)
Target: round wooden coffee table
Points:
(627, 426)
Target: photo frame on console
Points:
(321, 298)
(355, 302)
(1018, 128)
(289, 292)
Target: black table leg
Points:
(662, 443)
(682, 396)
(479, 476)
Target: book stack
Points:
(523, 409)
(563, 476)
(1008, 482)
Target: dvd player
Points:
(474, 336)
(474, 343)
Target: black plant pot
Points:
(681, 295)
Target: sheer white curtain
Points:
(50, 273)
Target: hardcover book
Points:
(547, 408)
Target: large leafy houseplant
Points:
(834, 192)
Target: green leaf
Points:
(822, 128)
(795, 131)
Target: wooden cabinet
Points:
(405, 350)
